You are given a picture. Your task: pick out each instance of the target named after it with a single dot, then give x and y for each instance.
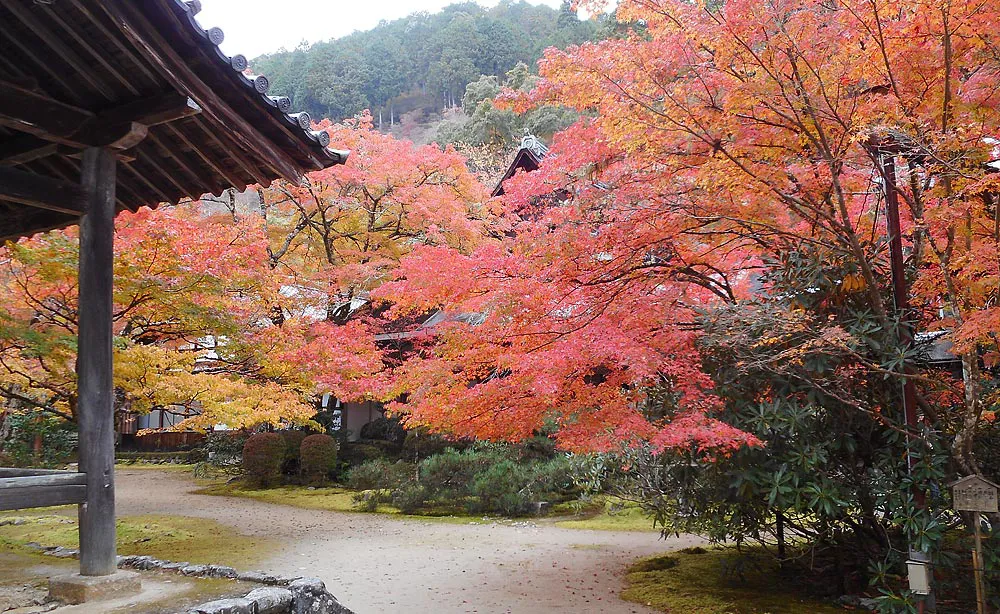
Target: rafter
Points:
(28, 110)
(41, 192)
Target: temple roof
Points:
(143, 78)
(528, 158)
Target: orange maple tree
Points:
(191, 296)
(715, 140)
(341, 235)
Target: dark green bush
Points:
(357, 453)
(379, 474)
(181, 457)
(293, 443)
(262, 456)
(553, 480)
(447, 476)
(368, 500)
(55, 435)
(538, 448)
(409, 497)
(419, 444)
(385, 429)
(318, 458)
(484, 478)
(224, 448)
(502, 488)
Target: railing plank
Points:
(42, 496)
(17, 472)
(37, 481)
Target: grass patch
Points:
(718, 581)
(329, 499)
(606, 514)
(143, 465)
(172, 538)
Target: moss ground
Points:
(172, 538)
(178, 467)
(717, 581)
(330, 499)
(605, 514)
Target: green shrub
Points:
(379, 474)
(553, 480)
(224, 448)
(447, 476)
(409, 497)
(56, 436)
(182, 457)
(356, 453)
(538, 448)
(385, 429)
(419, 444)
(368, 500)
(293, 443)
(502, 488)
(262, 456)
(317, 457)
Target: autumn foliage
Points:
(719, 140)
(240, 314)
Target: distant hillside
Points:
(422, 62)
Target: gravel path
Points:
(378, 564)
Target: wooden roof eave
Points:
(159, 52)
(230, 70)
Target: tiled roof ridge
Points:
(279, 106)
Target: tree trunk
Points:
(780, 531)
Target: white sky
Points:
(254, 27)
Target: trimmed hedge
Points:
(317, 457)
(293, 443)
(263, 454)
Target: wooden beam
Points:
(161, 196)
(28, 221)
(29, 111)
(233, 151)
(47, 496)
(31, 481)
(152, 111)
(86, 42)
(22, 149)
(95, 383)
(87, 8)
(203, 179)
(17, 472)
(39, 65)
(210, 161)
(119, 135)
(42, 192)
(121, 127)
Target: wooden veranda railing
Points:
(27, 488)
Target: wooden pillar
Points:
(94, 368)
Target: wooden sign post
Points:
(976, 494)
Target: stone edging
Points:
(303, 596)
(279, 595)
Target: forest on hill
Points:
(422, 62)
